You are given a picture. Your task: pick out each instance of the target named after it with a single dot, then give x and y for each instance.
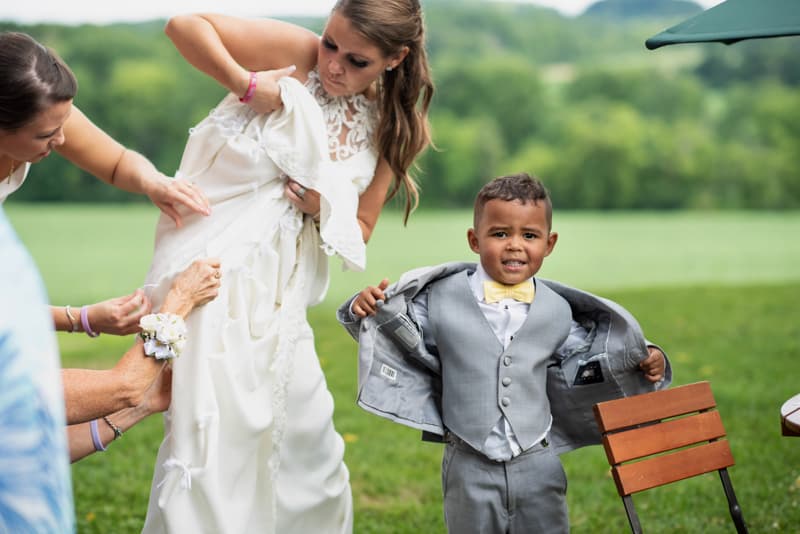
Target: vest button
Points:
(505, 401)
(507, 361)
(506, 381)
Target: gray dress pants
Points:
(525, 495)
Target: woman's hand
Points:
(267, 95)
(196, 285)
(148, 380)
(159, 394)
(306, 200)
(168, 194)
(119, 316)
(94, 151)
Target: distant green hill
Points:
(630, 9)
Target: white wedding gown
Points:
(249, 442)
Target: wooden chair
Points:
(662, 437)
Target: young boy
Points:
(482, 355)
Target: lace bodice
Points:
(350, 120)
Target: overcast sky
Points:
(104, 11)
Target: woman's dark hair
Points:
(404, 92)
(32, 78)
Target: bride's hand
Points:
(267, 95)
(306, 200)
(196, 285)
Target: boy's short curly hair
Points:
(522, 187)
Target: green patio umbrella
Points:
(734, 20)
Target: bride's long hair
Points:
(405, 92)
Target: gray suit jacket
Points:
(399, 379)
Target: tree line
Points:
(577, 101)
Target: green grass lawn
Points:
(718, 291)
(89, 253)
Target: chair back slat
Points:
(668, 435)
(617, 414)
(659, 470)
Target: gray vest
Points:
(480, 380)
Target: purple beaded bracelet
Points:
(98, 445)
(85, 322)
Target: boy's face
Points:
(512, 239)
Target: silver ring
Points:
(301, 192)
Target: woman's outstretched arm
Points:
(118, 316)
(82, 437)
(90, 393)
(96, 152)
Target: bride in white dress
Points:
(297, 163)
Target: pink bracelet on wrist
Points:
(251, 89)
(85, 322)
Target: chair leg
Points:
(633, 517)
(733, 504)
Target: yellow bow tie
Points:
(495, 292)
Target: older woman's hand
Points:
(196, 285)
(135, 374)
(159, 395)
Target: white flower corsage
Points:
(164, 335)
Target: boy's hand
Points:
(654, 365)
(365, 302)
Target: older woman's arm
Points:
(90, 394)
(96, 152)
(86, 438)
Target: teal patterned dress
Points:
(35, 487)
